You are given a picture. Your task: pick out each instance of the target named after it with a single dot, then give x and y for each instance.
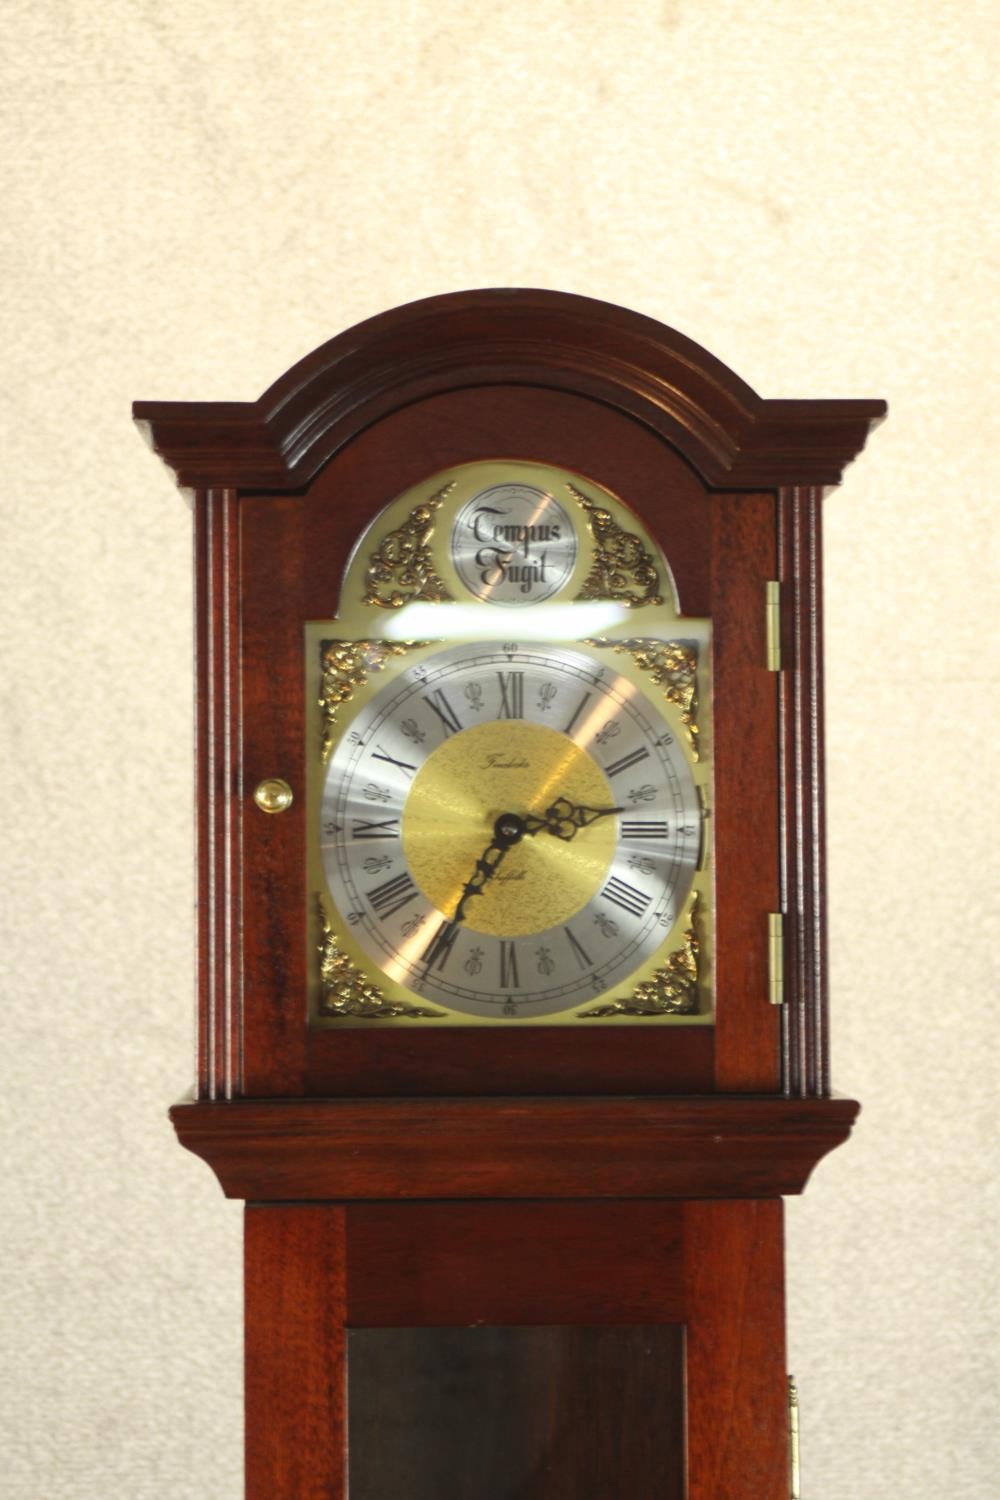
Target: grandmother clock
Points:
(512, 1025)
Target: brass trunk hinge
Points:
(776, 957)
(793, 1438)
(772, 624)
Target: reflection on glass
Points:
(516, 1413)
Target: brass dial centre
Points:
(455, 800)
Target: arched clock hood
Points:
(733, 438)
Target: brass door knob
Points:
(273, 795)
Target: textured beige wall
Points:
(196, 195)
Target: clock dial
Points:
(509, 830)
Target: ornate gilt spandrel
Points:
(402, 568)
(672, 990)
(347, 992)
(622, 569)
(673, 666)
(344, 667)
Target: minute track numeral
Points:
(388, 828)
(511, 695)
(439, 703)
(626, 761)
(508, 966)
(626, 896)
(392, 895)
(638, 829)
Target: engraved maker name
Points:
(497, 762)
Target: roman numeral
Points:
(444, 711)
(511, 695)
(579, 710)
(508, 966)
(438, 950)
(632, 829)
(626, 761)
(404, 765)
(582, 956)
(626, 896)
(392, 895)
(387, 829)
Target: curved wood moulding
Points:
(285, 1150)
(730, 435)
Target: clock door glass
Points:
(509, 825)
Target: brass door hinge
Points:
(772, 624)
(793, 1439)
(776, 957)
(705, 815)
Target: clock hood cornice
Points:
(732, 437)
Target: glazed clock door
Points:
(522, 761)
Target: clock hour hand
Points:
(564, 818)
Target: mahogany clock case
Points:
(570, 1238)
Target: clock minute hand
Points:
(508, 830)
(564, 818)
